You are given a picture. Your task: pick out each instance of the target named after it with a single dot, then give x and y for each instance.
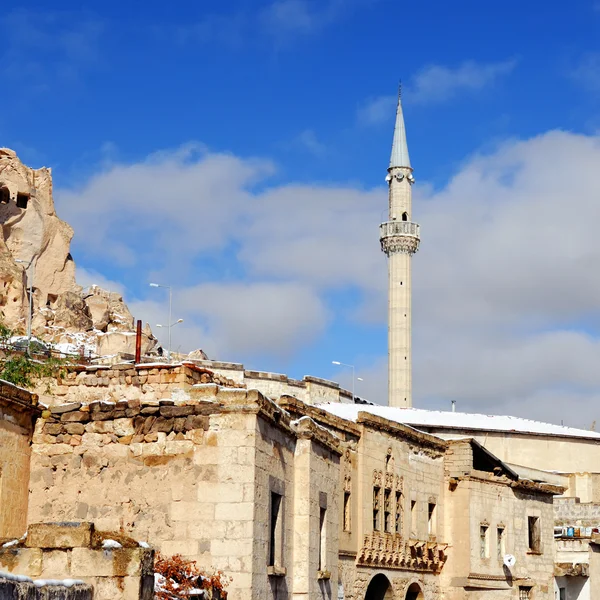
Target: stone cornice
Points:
(402, 431)
(306, 428)
(299, 408)
(524, 485)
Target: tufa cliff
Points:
(36, 243)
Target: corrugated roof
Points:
(399, 157)
(416, 417)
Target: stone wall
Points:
(17, 413)
(310, 390)
(21, 588)
(75, 551)
(570, 512)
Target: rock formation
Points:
(36, 244)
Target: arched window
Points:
(405, 216)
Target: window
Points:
(534, 534)
(387, 510)
(524, 593)
(376, 507)
(398, 512)
(500, 546)
(275, 530)
(431, 526)
(22, 200)
(4, 195)
(484, 551)
(347, 509)
(322, 538)
(562, 593)
(413, 518)
(405, 216)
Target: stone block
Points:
(75, 416)
(123, 427)
(64, 408)
(59, 535)
(27, 561)
(196, 422)
(176, 411)
(56, 564)
(75, 428)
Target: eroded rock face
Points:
(36, 244)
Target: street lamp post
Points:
(341, 364)
(170, 324)
(30, 281)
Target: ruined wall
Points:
(126, 382)
(16, 427)
(74, 551)
(570, 512)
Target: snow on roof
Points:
(417, 417)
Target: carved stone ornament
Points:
(400, 243)
(347, 483)
(377, 478)
(392, 551)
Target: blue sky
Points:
(238, 151)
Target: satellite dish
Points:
(509, 560)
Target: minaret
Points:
(399, 240)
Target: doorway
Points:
(379, 588)
(414, 592)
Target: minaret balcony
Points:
(399, 236)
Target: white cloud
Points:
(88, 277)
(377, 110)
(438, 83)
(308, 140)
(506, 298)
(286, 19)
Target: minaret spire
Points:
(399, 157)
(400, 239)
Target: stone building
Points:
(290, 500)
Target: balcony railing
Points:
(399, 228)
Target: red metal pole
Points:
(138, 342)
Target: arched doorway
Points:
(414, 592)
(379, 588)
